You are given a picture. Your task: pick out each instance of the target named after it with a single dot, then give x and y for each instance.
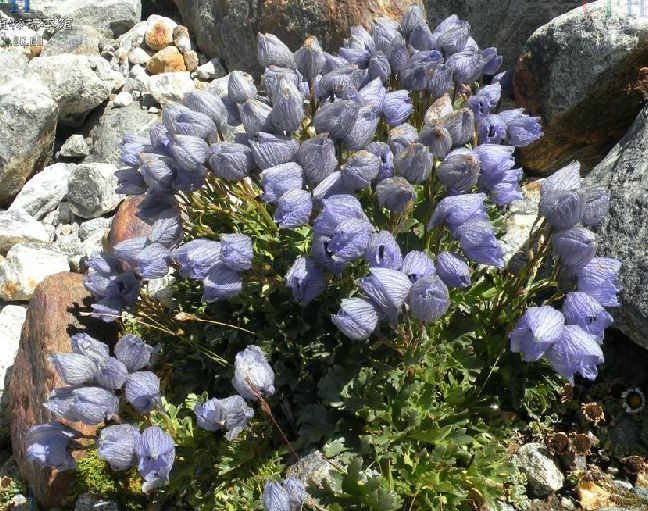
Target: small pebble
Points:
(123, 99)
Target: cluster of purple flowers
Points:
(289, 496)
(570, 339)
(95, 379)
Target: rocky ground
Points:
(78, 75)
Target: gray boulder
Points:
(91, 189)
(78, 83)
(78, 40)
(17, 226)
(43, 192)
(544, 477)
(111, 127)
(111, 17)
(13, 63)
(585, 76)
(28, 115)
(624, 232)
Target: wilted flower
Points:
(111, 374)
(142, 391)
(414, 163)
(49, 445)
(240, 87)
(196, 257)
(310, 59)
(293, 209)
(600, 279)
(253, 376)
(306, 280)
(437, 138)
(373, 94)
(360, 170)
(401, 137)
(73, 368)
(180, 120)
(91, 405)
(336, 118)
(387, 289)
(280, 179)
(155, 451)
(395, 194)
(116, 445)
(397, 107)
(459, 209)
(357, 318)
(575, 246)
(190, 152)
(134, 353)
(208, 104)
(583, 310)
(270, 150)
(271, 51)
(575, 351)
(452, 269)
(231, 413)
(89, 347)
(317, 158)
(428, 298)
(460, 125)
(459, 170)
(350, 239)
(236, 251)
(479, 244)
(221, 283)
(536, 331)
(383, 251)
(363, 129)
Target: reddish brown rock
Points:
(55, 312)
(167, 60)
(126, 224)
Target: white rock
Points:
(13, 62)
(91, 189)
(18, 226)
(543, 473)
(78, 83)
(75, 147)
(87, 502)
(26, 266)
(12, 318)
(183, 44)
(170, 87)
(123, 99)
(43, 192)
(91, 227)
(134, 38)
(155, 18)
(211, 70)
(138, 56)
(219, 86)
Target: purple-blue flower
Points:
(360, 170)
(600, 279)
(350, 239)
(459, 170)
(221, 283)
(494, 160)
(521, 128)
(357, 318)
(596, 204)
(317, 158)
(363, 129)
(382, 150)
(272, 51)
(196, 257)
(280, 179)
(428, 298)
(133, 352)
(456, 210)
(460, 125)
(209, 104)
(287, 106)
(417, 265)
(236, 251)
(397, 107)
(89, 347)
(395, 194)
(387, 289)
(253, 375)
(479, 244)
(142, 391)
(230, 160)
(336, 209)
(383, 251)
(414, 163)
(321, 253)
(437, 139)
(271, 150)
(401, 137)
(536, 331)
(116, 445)
(155, 452)
(231, 413)
(336, 118)
(575, 246)
(583, 310)
(49, 445)
(240, 87)
(180, 120)
(275, 497)
(73, 368)
(111, 374)
(452, 269)
(575, 351)
(293, 209)
(310, 59)
(306, 280)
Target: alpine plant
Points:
(388, 161)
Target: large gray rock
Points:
(585, 75)
(12, 318)
(91, 189)
(78, 40)
(13, 63)
(43, 192)
(78, 83)
(28, 115)
(111, 128)
(17, 226)
(624, 232)
(111, 17)
(544, 477)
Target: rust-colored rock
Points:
(55, 312)
(126, 224)
(588, 88)
(228, 28)
(167, 60)
(159, 35)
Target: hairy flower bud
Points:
(231, 413)
(293, 209)
(456, 210)
(142, 391)
(255, 116)
(387, 289)
(414, 163)
(240, 87)
(401, 137)
(116, 445)
(428, 298)
(437, 138)
(417, 265)
(270, 150)
(357, 318)
(280, 179)
(271, 51)
(452, 269)
(360, 170)
(253, 376)
(236, 251)
(134, 353)
(397, 107)
(317, 157)
(288, 107)
(230, 160)
(310, 59)
(459, 170)
(306, 280)
(395, 194)
(575, 246)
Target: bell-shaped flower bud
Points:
(360, 170)
(296, 492)
(495, 160)
(357, 318)
(363, 129)
(387, 289)
(493, 61)
(180, 120)
(331, 185)
(379, 67)
(384, 30)
(111, 374)
(521, 128)
(89, 347)
(270, 150)
(600, 279)
(336, 118)
(383, 251)
(566, 179)
(236, 251)
(575, 351)
(452, 269)
(142, 391)
(288, 107)
(417, 265)
(429, 298)
(208, 104)
(373, 94)
(130, 182)
(93, 405)
(397, 107)
(395, 194)
(421, 38)
(575, 246)
(255, 116)
(583, 310)
(240, 87)
(305, 279)
(562, 209)
(452, 34)
(412, 18)
(133, 352)
(321, 253)
(197, 257)
(74, 369)
(293, 209)
(383, 151)
(456, 210)
(231, 161)
(190, 152)
(132, 146)
(231, 413)
(116, 445)
(437, 138)
(479, 244)
(459, 170)
(310, 59)
(273, 75)
(221, 283)
(253, 376)
(280, 179)
(271, 51)
(468, 66)
(536, 331)
(491, 129)
(401, 137)
(317, 158)
(414, 163)
(335, 210)
(153, 261)
(508, 189)
(155, 453)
